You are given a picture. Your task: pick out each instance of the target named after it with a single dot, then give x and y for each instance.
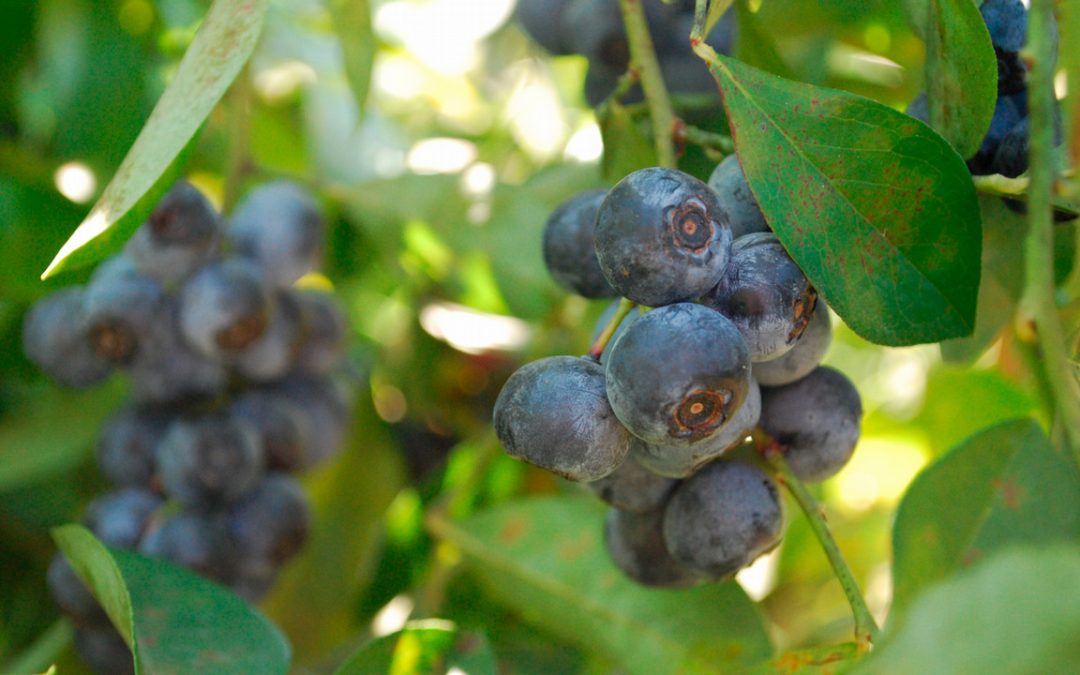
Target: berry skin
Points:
(53, 341)
(224, 307)
(803, 357)
(279, 226)
(274, 352)
(569, 251)
(192, 540)
(104, 650)
(1006, 116)
(678, 374)
(325, 406)
(635, 543)
(1007, 22)
(554, 413)
(815, 420)
(118, 310)
(324, 334)
(119, 518)
(271, 523)
(1012, 73)
(919, 108)
(125, 449)
(72, 595)
(662, 236)
(632, 487)
(281, 424)
(208, 461)
(765, 294)
(681, 462)
(1011, 158)
(181, 234)
(729, 183)
(541, 19)
(723, 518)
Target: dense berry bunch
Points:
(594, 29)
(731, 345)
(230, 368)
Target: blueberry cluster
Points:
(230, 368)
(730, 346)
(1004, 149)
(594, 29)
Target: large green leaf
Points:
(1004, 486)
(429, 646)
(876, 208)
(1017, 613)
(961, 69)
(220, 49)
(174, 620)
(352, 23)
(545, 559)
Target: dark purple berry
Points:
(182, 233)
(120, 518)
(169, 370)
(195, 541)
(632, 487)
(569, 251)
(125, 449)
(224, 307)
(803, 357)
(104, 650)
(733, 192)
(635, 542)
(274, 352)
(118, 310)
(210, 460)
(542, 19)
(271, 522)
(281, 425)
(53, 340)
(1007, 22)
(324, 334)
(72, 596)
(279, 226)
(326, 407)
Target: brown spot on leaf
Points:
(1012, 494)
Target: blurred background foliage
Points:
(438, 168)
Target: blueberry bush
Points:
(539, 336)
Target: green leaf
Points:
(1004, 486)
(173, 619)
(352, 23)
(716, 11)
(545, 559)
(221, 47)
(430, 646)
(815, 661)
(1016, 613)
(961, 69)
(875, 207)
(755, 46)
(626, 147)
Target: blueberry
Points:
(635, 543)
(662, 237)
(554, 413)
(594, 29)
(72, 596)
(274, 352)
(1007, 22)
(678, 374)
(1012, 73)
(815, 420)
(168, 370)
(919, 108)
(684, 461)
(192, 540)
(632, 487)
(729, 183)
(53, 340)
(210, 460)
(542, 19)
(1011, 158)
(224, 307)
(125, 448)
(281, 424)
(281, 227)
(569, 252)
(104, 650)
(324, 334)
(119, 309)
(326, 406)
(723, 518)
(270, 523)
(765, 294)
(119, 518)
(181, 234)
(802, 358)
(1006, 116)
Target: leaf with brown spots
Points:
(1004, 486)
(876, 208)
(174, 620)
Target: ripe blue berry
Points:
(192, 540)
(815, 420)
(1006, 116)
(324, 334)
(270, 523)
(635, 542)
(72, 596)
(662, 236)
(279, 226)
(1007, 22)
(632, 487)
(554, 413)
(118, 310)
(125, 449)
(729, 183)
(803, 357)
(765, 294)
(678, 374)
(541, 19)
(210, 460)
(722, 518)
(325, 405)
(168, 370)
(182, 233)
(120, 518)
(224, 307)
(281, 425)
(274, 352)
(54, 341)
(569, 251)
(104, 650)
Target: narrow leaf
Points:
(220, 48)
(545, 559)
(961, 69)
(173, 619)
(429, 646)
(352, 23)
(878, 210)
(1004, 486)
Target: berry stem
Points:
(709, 139)
(866, 629)
(625, 307)
(1017, 188)
(1037, 315)
(643, 61)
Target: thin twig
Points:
(643, 61)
